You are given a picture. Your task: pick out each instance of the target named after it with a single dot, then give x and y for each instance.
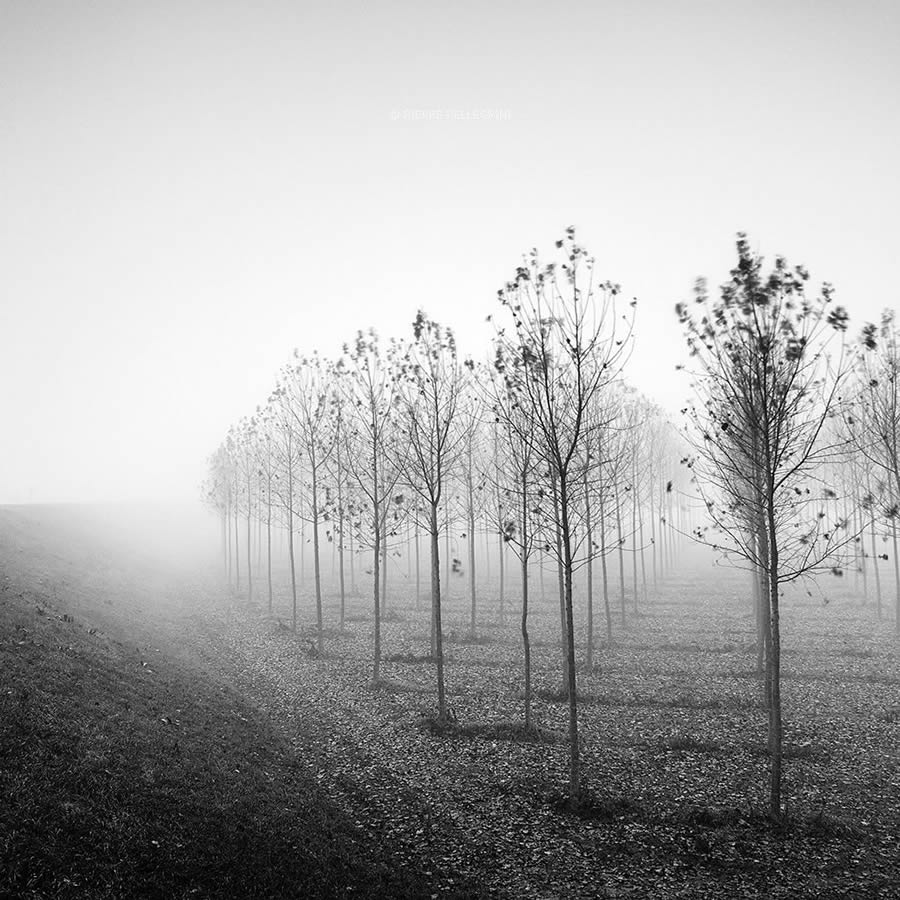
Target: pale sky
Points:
(189, 190)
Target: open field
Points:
(159, 736)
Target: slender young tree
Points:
(876, 430)
(518, 489)
(368, 389)
(429, 377)
(310, 387)
(336, 465)
(569, 343)
(287, 449)
(474, 476)
(216, 493)
(265, 462)
(245, 440)
(765, 390)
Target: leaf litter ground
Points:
(673, 737)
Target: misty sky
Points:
(189, 190)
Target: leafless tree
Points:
(569, 343)
(429, 378)
(765, 390)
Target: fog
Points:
(190, 192)
(593, 598)
(168, 539)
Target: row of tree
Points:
(545, 447)
(548, 450)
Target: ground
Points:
(161, 736)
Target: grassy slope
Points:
(124, 773)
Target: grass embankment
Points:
(123, 774)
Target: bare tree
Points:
(765, 391)
(876, 430)
(369, 389)
(311, 401)
(474, 477)
(244, 442)
(430, 382)
(517, 490)
(216, 493)
(569, 343)
(287, 448)
(266, 469)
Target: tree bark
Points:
(574, 758)
(237, 549)
(561, 584)
(269, 535)
(621, 554)
(436, 605)
(775, 719)
(604, 571)
(896, 576)
(526, 642)
(376, 520)
(500, 552)
(470, 488)
(316, 564)
(590, 575)
(290, 469)
(249, 548)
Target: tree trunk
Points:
(225, 540)
(302, 516)
(621, 554)
(574, 759)
(775, 720)
(487, 551)
(316, 564)
(352, 565)
(526, 642)
(541, 559)
(418, 568)
(340, 532)
(875, 568)
(652, 485)
(436, 605)
(384, 567)
(663, 537)
(230, 556)
(561, 584)
(471, 511)
(500, 552)
(237, 551)
(590, 575)
(447, 556)
(249, 549)
(634, 531)
(376, 582)
(341, 584)
(259, 531)
(290, 470)
(756, 577)
(896, 576)
(605, 571)
(376, 520)
(643, 554)
(269, 538)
